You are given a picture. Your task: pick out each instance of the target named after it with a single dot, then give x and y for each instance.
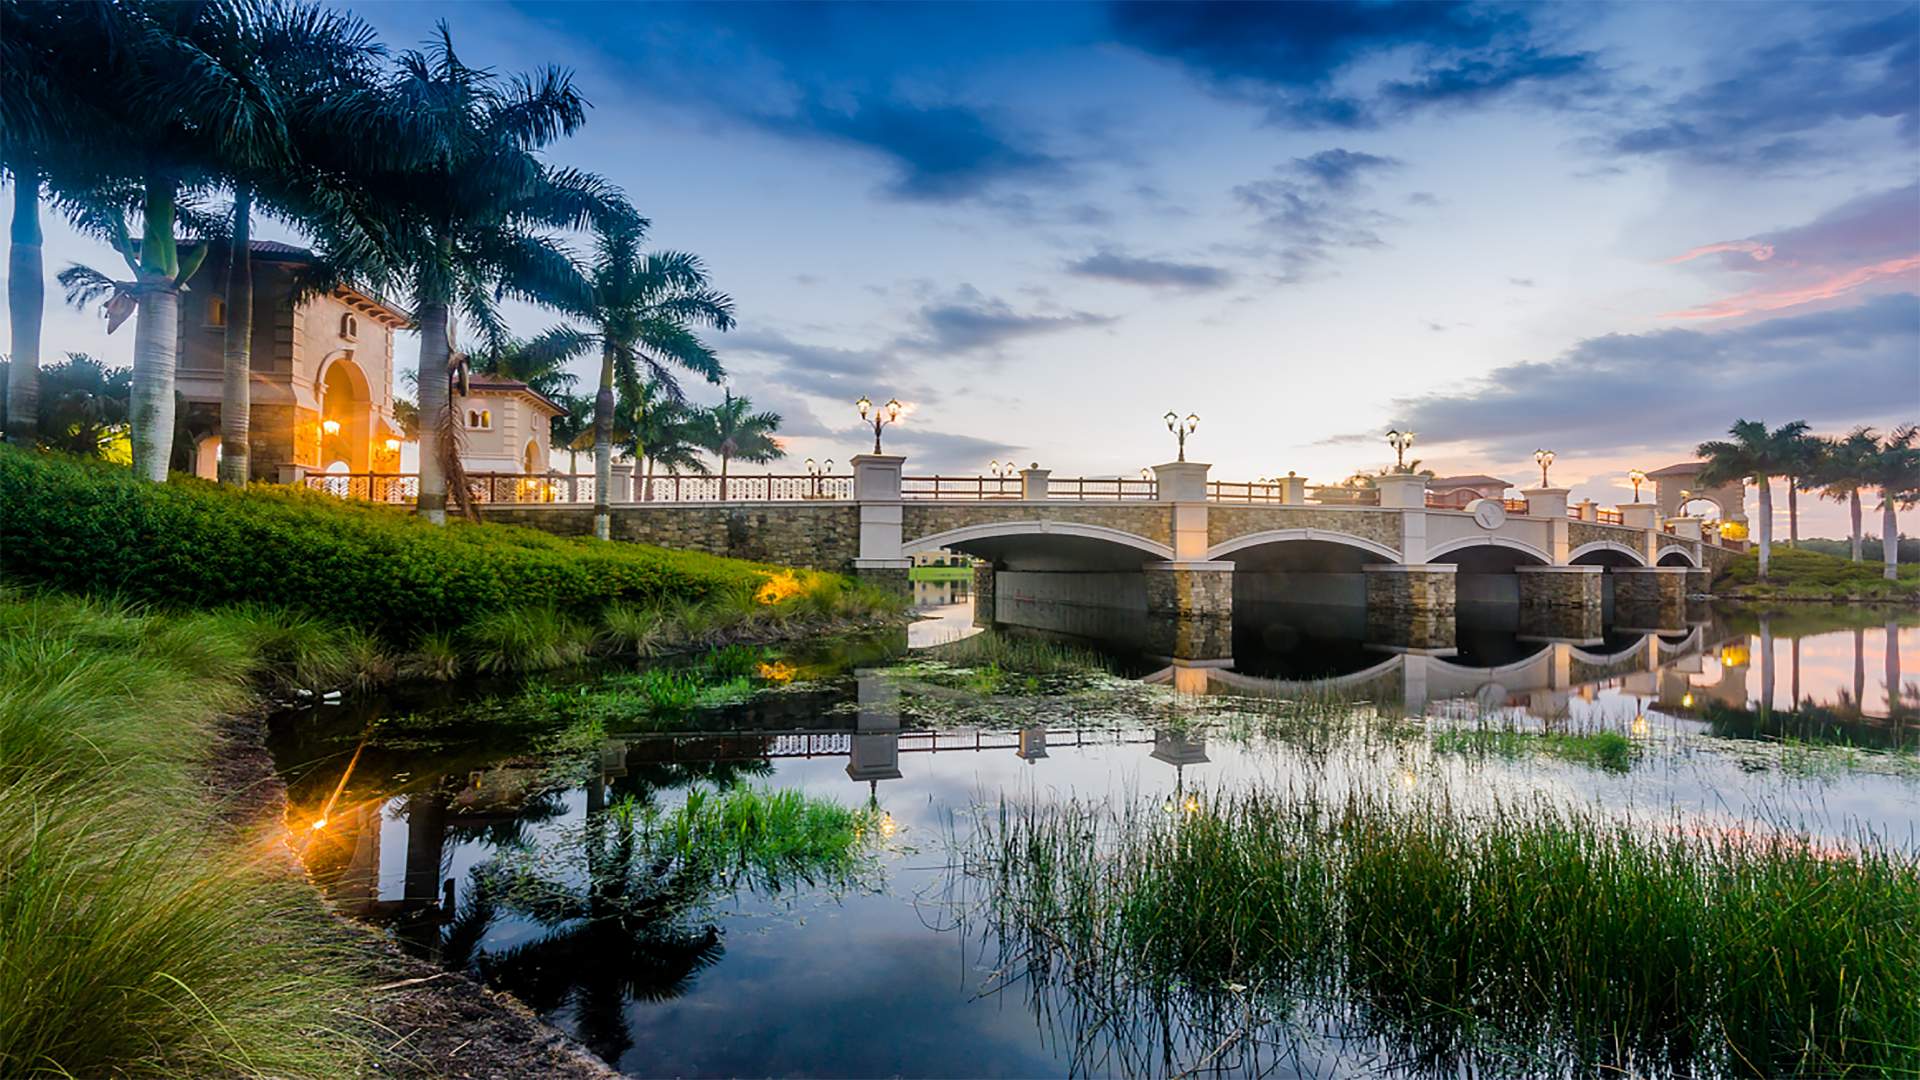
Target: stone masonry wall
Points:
(1153, 521)
(1552, 588)
(1189, 592)
(816, 536)
(1226, 522)
(1410, 591)
(1582, 533)
(985, 592)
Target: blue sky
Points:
(1608, 229)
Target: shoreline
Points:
(433, 1022)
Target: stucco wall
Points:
(1152, 521)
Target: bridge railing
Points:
(960, 487)
(483, 487)
(770, 487)
(1342, 495)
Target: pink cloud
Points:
(1755, 300)
(1759, 251)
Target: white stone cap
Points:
(1655, 569)
(1410, 568)
(1558, 569)
(882, 564)
(1214, 566)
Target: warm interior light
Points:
(1686, 701)
(331, 427)
(394, 445)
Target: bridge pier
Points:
(986, 578)
(1543, 587)
(876, 486)
(1650, 597)
(1411, 607)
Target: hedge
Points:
(91, 527)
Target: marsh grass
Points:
(1022, 655)
(1608, 751)
(525, 639)
(1526, 940)
(139, 934)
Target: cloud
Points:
(938, 153)
(1623, 390)
(1865, 244)
(1292, 58)
(1523, 282)
(1310, 206)
(968, 321)
(941, 451)
(1134, 270)
(1770, 106)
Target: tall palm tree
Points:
(539, 362)
(570, 428)
(1800, 453)
(1895, 470)
(1843, 471)
(1754, 455)
(658, 432)
(279, 59)
(458, 207)
(644, 307)
(732, 429)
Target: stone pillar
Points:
(1576, 625)
(1546, 502)
(1411, 606)
(1559, 586)
(1685, 528)
(1402, 491)
(1293, 489)
(621, 489)
(1638, 515)
(1190, 609)
(876, 488)
(875, 747)
(986, 579)
(1699, 581)
(1033, 483)
(295, 475)
(1650, 597)
(1586, 510)
(1184, 485)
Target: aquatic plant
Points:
(1607, 750)
(1022, 654)
(1524, 940)
(524, 639)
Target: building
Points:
(506, 426)
(940, 577)
(1676, 487)
(1457, 491)
(322, 385)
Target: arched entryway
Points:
(346, 417)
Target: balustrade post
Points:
(876, 487)
(1033, 483)
(622, 486)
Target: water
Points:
(887, 970)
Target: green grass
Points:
(1526, 940)
(89, 527)
(139, 934)
(1811, 575)
(1020, 654)
(1606, 750)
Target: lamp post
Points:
(1181, 429)
(1543, 458)
(1401, 441)
(1636, 477)
(879, 418)
(817, 471)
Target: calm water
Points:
(1803, 720)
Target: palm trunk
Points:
(647, 493)
(603, 449)
(1853, 505)
(1859, 670)
(156, 339)
(1793, 653)
(236, 390)
(1766, 524)
(1793, 512)
(723, 477)
(1893, 669)
(1766, 667)
(436, 349)
(1889, 538)
(26, 299)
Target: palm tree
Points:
(458, 205)
(732, 429)
(1842, 472)
(1800, 453)
(280, 61)
(643, 307)
(1895, 470)
(1755, 455)
(654, 429)
(571, 428)
(539, 362)
(83, 406)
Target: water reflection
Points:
(514, 854)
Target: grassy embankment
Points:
(397, 595)
(139, 933)
(1811, 575)
(1525, 941)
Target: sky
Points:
(1608, 230)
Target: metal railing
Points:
(960, 487)
(1515, 506)
(1609, 517)
(1342, 495)
(1239, 491)
(751, 488)
(1103, 487)
(404, 488)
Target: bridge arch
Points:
(1602, 548)
(1469, 542)
(1282, 536)
(981, 536)
(1684, 555)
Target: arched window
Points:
(480, 419)
(216, 311)
(349, 326)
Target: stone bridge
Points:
(1183, 549)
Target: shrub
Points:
(1811, 575)
(91, 527)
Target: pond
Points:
(822, 860)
